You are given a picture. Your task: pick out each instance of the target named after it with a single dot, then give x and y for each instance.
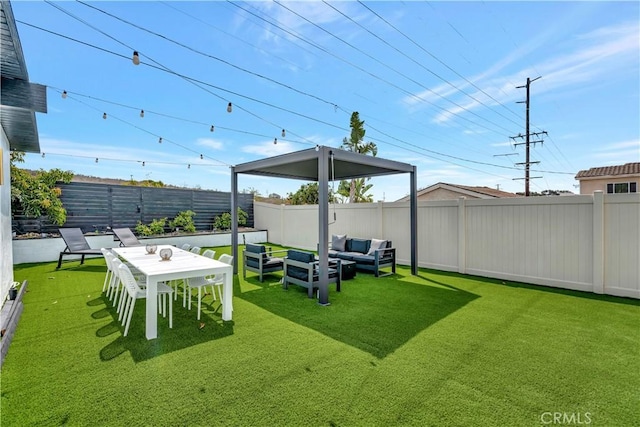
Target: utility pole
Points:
(527, 138)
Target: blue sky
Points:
(435, 83)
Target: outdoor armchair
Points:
(76, 244)
(258, 259)
(301, 268)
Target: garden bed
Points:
(28, 250)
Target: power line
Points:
(256, 100)
(438, 59)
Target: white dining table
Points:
(183, 264)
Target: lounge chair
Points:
(126, 237)
(76, 244)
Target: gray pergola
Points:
(316, 165)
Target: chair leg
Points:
(170, 312)
(199, 300)
(219, 292)
(133, 304)
(107, 279)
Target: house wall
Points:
(590, 186)
(6, 254)
(587, 243)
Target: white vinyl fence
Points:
(586, 243)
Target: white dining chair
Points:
(195, 250)
(108, 255)
(186, 247)
(201, 283)
(134, 293)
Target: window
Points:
(622, 187)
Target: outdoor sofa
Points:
(369, 254)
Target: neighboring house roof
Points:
(608, 171)
(477, 192)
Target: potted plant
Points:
(13, 290)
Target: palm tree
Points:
(356, 144)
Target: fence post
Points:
(462, 236)
(598, 242)
(281, 242)
(380, 220)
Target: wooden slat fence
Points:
(93, 206)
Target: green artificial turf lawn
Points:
(434, 349)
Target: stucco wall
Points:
(6, 254)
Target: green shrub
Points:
(184, 221)
(155, 227)
(223, 222)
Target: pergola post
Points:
(234, 218)
(323, 225)
(414, 221)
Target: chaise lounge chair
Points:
(126, 237)
(76, 244)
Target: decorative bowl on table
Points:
(165, 254)
(151, 249)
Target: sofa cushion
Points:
(256, 249)
(363, 259)
(375, 245)
(360, 245)
(338, 242)
(300, 256)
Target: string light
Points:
(189, 166)
(43, 155)
(64, 94)
(104, 116)
(96, 160)
(160, 140)
(284, 133)
(136, 58)
(229, 108)
(142, 163)
(317, 147)
(201, 157)
(142, 113)
(275, 141)
(212, 128)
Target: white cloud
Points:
(268, 149)
(594, 55)
(210, 143)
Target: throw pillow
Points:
(359, 245)
(376, 244)
(338, 242)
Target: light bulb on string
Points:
(160, 140)
(136, 58)
(104, 116)
(96, 160)
(212, 128)
(201, 157)
(284, 133)
(275, 141)
(188, 166)
(43, 155)
(142, 163)
(229, 108)
(317, 147)
(142, 113)
(64, 94)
